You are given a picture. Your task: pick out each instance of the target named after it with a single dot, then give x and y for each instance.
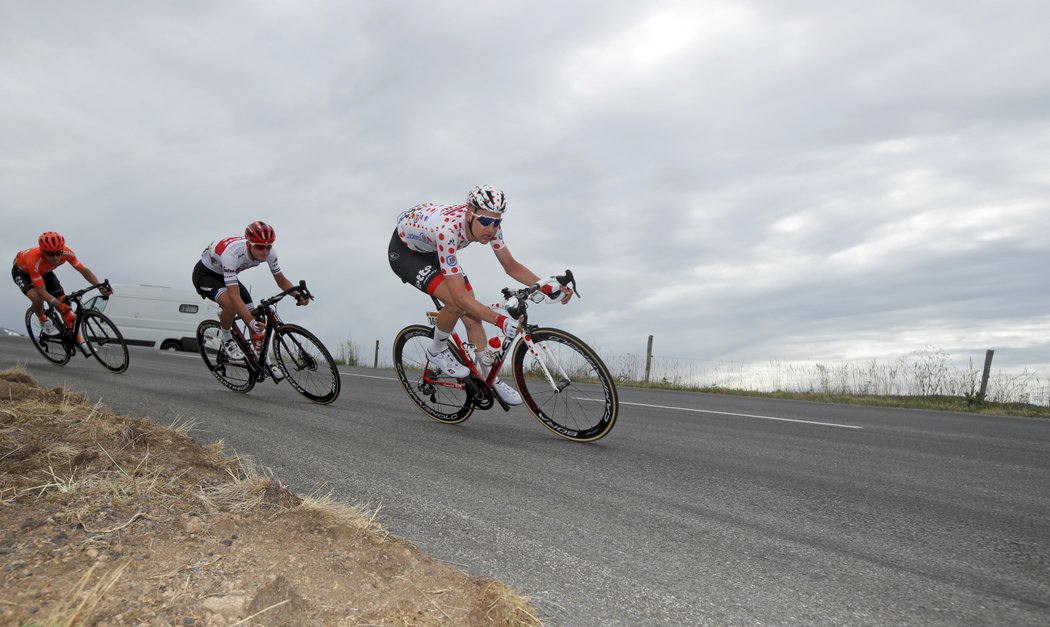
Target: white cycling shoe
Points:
(506, 393)
(232, 352)
(48, 328)
(447, 364)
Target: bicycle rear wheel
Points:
(307, 363)
(566, 385)
(441, 402)
(105, 341)
(50, 346)
(235, 376)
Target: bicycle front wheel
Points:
(50, 346)
(105, 341)
(566, 385)
(307, 363)
(431, 391)
(235, 376)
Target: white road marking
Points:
(728, 413)
(367, 376)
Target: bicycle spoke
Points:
(104, 341)
(237, 377)
(566, 385)
(430, 391)
(307, 364)
(50, 346)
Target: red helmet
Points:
(260, 233)
(51, 242)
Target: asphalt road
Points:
(696, 509)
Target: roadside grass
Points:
(119, 520)
(931, 402)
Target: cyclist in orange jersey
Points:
(33, 273)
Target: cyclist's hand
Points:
(301, 301)
(257, 328)
(509, 326)
(106, 291)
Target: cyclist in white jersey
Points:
(215, 278)
(423, 252)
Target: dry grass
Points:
(106, 519)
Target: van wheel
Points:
(171, 345)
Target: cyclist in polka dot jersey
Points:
(424, 252)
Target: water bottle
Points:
(258, 330)
(489, 355)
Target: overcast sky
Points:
(748, 180)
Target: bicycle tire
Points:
(50, 346)
(306, 363)
(105, 341)
(237, 377)
(443, 404)
(584, 405)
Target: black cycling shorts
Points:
(210, 284)
(25, 283)
(421, 270)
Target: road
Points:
(696, 509)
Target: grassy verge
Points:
(114, 520)
(928, 402)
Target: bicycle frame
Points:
(259, 367)
(483, 395)
(69, 335)
(562, 381)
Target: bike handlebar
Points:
(301, 288)
(99, 286)
(516, 301)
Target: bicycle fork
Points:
(543, 356)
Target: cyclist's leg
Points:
(211, 285)
(423, 272)
(54, 287)
(475, 331)
(25, 284)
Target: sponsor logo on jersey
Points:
(450, 261)
(422, 276)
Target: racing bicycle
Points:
(101, 338)
(299, 355)
(563, 381)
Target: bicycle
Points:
(300, 356)
(563, 382)
(101, 338)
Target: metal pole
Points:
(375, 360)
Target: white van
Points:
(154, 315)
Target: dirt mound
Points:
(116, 520)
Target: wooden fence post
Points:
(648, 358)
(375, 360)
(987, 371)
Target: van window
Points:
(190, 309)
(97, 303)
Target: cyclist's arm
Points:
(88, 275)
(515, 269)
(284, 283)
(45, 296)
(233, 295)
(465, 301)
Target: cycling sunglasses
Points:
(262, 246)
(53, 253)
(487, 221)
